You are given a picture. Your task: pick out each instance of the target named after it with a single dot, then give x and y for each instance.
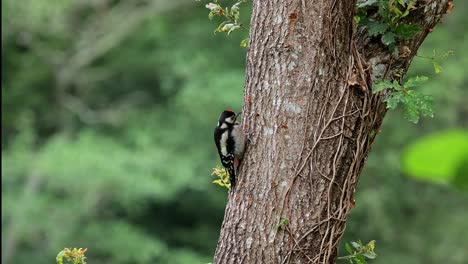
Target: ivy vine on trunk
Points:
(311, 117)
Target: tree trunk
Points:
(310, 117)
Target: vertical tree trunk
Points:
(310, 118)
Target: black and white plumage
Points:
(230, 141)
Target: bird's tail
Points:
(232, 176)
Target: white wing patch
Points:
(223, 143)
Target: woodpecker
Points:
(230, 141)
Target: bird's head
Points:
(227, 117)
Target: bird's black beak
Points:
(238, 114)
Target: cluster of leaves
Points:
(388, 20)
(384, 18)
(223, 177)
(358, 253)
(231, 16)
(415, 103)
(74, 256)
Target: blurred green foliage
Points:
(439, 158)
(108, 109)
(107, 129)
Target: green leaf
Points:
(213, 7)
(426, 105)
(393, 100)
(211, 15)
(233, 28)
(410, 4)
(438, 158)
(227, 27)
(60, 256)
(219, 182)
(360, 259)
(220, 27)
(371, 245)
(411, 114)
(235, 8)
(369, 255)
(406, 31)
(388, 39)
(244, 42)
(381, 85)
(437, 67)
(417, 104)
(362, 20)
(396, 85)
(355, 245)
(376, 28)
(348, 248)
(415, 81)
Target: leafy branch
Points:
(74, 256)
(384, 18)
(415, 103)
(231, 18)
(435, 59)
(223, 177)
(358, 253)
(387, 21)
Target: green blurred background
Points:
(108, 109)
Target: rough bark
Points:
(311, 119)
